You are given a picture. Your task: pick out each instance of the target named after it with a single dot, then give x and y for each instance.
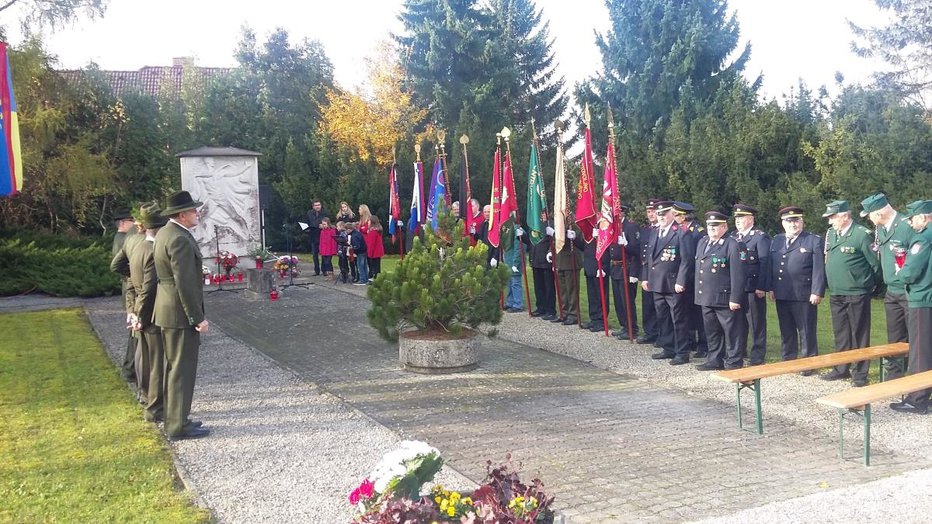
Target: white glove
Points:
(472, 229)
(400, 223)
(571, 234)
(595, 232)
(493, 262)
(549, 231)
(622, 241)
(633, 280)
(130, 318)
(514, 269)
(550, 257)
(441, 252)
(599, 273)
(519, 232)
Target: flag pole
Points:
(506, 134)
(466, 195)
(497, 219)
(553, 252)
(624, 250)
(441, 136)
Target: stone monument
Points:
(226, 180)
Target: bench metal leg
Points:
(866, 417)
(758, 416)
(883, 360)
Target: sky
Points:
(791, 39)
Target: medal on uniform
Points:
(802, 250)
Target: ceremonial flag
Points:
(586, 216)
(437, 200)
(417, 207)
(11, 158)
(394, 202)
(536, 197)
(495, 215)
(509, 197)
(611, 205)
(560, 203)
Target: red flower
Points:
(365, 490)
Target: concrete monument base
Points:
(425, 352)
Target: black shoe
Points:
(662, 355)
(570, 321)
(621, 333)
(192, 433)
(755, 363)
(679, 361)
(557, 319)
(835, 375)
(535, 313)
(906, 407)
(807, 373)
(514, 310)
(733, 367)
(595, 328)
(705, 366)
(549, 317)
(644, 340)
(859, 383)
(701, 354)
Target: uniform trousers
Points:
(595, 299)
(757, 328)
(128, 370)
(569, 292)
(155, 393)
(896, 308)
(515, 296)
(851, 323)
(618, 294)
(697, 339)
(649, 316)
(727, 335)
(797, 320)
(142, 364)
(544, 291)
(181, 351)
(920, 350)
(673, 323)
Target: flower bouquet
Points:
(227, 261)
(286, 263)
(260, 254)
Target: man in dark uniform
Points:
(892, 235)
(666, 273)
(629, 243)
(591, 270)
(720, 278)
(684, 215)
(796, 281)
(314, 217)
(179, 311)
(852, 270)
(151, 361)
(648, 312)
(542, 270)
(482, 235)
(916, 275)
(126, 238)
(757, 244)
(569, 260)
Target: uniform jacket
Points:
(145, 281)
(120, 265)
(179, 302)
(721, 273)
(899, 236)
(565, 257)
(632, 252)
(669, 261)
(482, 235)
(851, 266)
(799, 271)
(590, 264)
(916, 274)
(645, 235)
(539, 253)
(757, 245)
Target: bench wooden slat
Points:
(860, 397)
(752, 373)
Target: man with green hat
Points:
(852, 269)
(179, 311)
(126, 238)
(892, 236)
(914, 271)
(150, 363)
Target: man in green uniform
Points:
(852, 269)
(914, 271)
(892, 235)
(568, 262)
(123, 242)
(179, 311)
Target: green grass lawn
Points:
(73, 444)
(826, 337)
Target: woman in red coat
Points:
(374, 246)
(328, 246)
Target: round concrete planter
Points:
(425, 352)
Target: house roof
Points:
(217, 151)
(153, 80)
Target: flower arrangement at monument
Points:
(392, 493)
(286, 263)
(227, 261)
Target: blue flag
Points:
(438, 194)
(417, 208)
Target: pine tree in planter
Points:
(435, 299)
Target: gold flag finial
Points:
(498, 139)
(506, 133)
(587, 116)
(417, 151)
(464, 139)
(441, 136)
(611, 119)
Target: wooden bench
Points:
(750, 377)
(860, 399)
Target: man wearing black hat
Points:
(150, 361)
(626, 251)
(757, 244)
(892, 237)
(796, 281)
(179, 311)
(123, 219)
(683, 214)
(852, 270)
(668, 271)
(648, 312)
(720, 277)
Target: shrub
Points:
(58, 266)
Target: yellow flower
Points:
(451, 511)
(437, 499)
(455, 496)
(467, 501)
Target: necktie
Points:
(789, 242)
(708, 246)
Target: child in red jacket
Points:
(375, 249)
(328, 246)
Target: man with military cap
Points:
(179, 311)
(568, 262)
(592, 272)
(915, 273)
(126, 232)
(648, 313)
(757, 245)
(852, 270)
(667, 273)
(683, 214)
(720, 278)
(892, 236)
(796, 281)
(625, 255)
(150, 361)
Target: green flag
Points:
(536, 198)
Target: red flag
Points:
(494, 217)
(394, 203)
(509, 198)
(586, 217)
(610, 216)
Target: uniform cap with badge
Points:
(919, 207)
(682, 208)
(663, 206)
(836, 206)
(875, 202)
(790, 213)
(652, 203)
(743, 210)
(713, 218)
